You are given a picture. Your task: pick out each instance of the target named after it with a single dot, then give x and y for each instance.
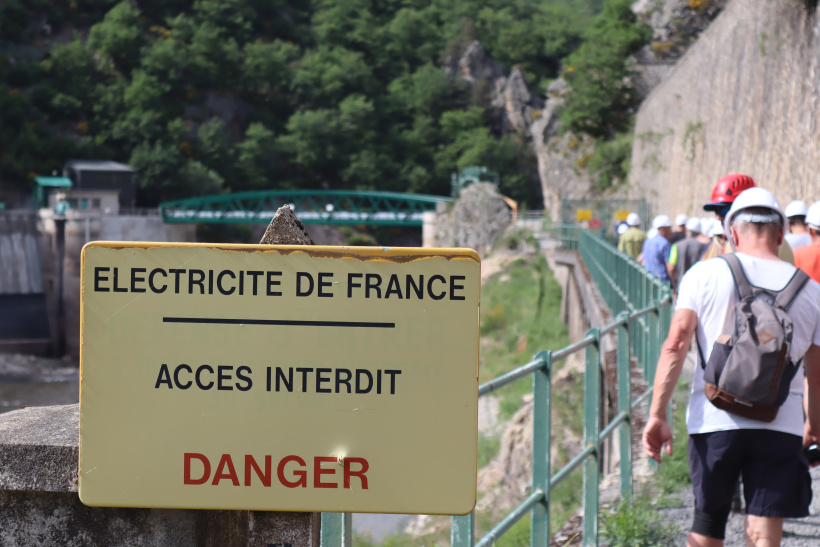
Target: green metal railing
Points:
(567, 235)
(625, 285)
(339, 207)
(643, 313)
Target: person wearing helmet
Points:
(717, 234)
(686, 253)
(726, 190)
(807, 257)
(679, 232)
(723, 447)
(656, 249)
(705, 228)
(796, 213)
(632, 240)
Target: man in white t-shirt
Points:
(723, 446)
(799, 233)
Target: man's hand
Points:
(810, 438)
(811, 398)
(656, 434)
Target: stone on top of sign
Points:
(286, 229)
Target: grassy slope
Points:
(523, 299)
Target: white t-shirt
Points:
(709, 290)
(798, 240)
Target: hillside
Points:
(227, 95)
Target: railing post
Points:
(666, 313)
(541, 464)
(592, 381)
(462, 531)
(647, 337)
(664, 323)
(654, 338)
(625, 405)
(336, 530)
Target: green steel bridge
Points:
(339, 207)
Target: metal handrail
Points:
(642, 307)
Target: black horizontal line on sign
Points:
(277, 322)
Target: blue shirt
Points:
(656, 255)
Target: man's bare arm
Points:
(657, 432)
(811, 401)
(670, 364)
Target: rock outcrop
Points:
(473, 65)
(475, 220)
(521, 112)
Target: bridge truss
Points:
(339, 207)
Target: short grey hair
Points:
(742, 224)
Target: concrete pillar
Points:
(428, 229)
(39, 504)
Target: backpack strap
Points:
(700, 351)
(742, 286)
(785, 298)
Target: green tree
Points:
(120, 36)
(256, 159)
(213, 148)
(601, 99)
(328, 74)
(610, 161)
(168, 170)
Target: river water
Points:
(37, 381)
(14, 395)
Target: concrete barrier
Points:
(39, 504)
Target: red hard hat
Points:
(727, 189)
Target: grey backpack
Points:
(750, 369)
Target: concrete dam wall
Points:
(744, 98)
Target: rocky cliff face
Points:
(561, 156)
(536, 118)
(744, 98)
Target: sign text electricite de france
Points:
(273, 283)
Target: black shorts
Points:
(776, 480)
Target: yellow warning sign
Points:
(279, 378)
(583, 214)
(621, 215)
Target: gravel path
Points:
(796, 532)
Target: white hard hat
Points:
(651, 233)
(622, 228)
(797, 208)
(661, 221)
(716, 230)
(693, 225)
(681, 220)
(813, 214)
(755, 197)
(633, 219)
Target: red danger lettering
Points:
(291, 471)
